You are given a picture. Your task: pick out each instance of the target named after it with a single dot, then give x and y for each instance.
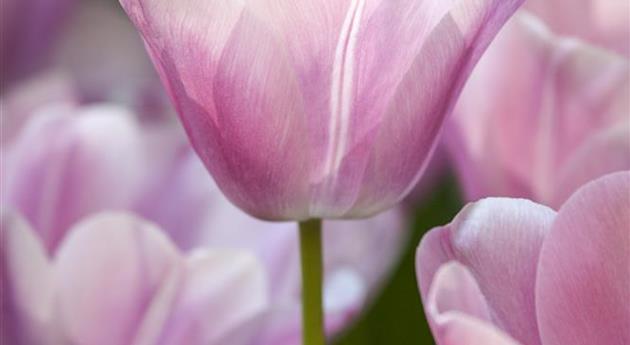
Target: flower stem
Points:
(311, 255)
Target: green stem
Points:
(311, 254)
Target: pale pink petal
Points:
(591, 94)
(498, 240)
(583, 279)
(181, 197)
(260, 109)
(244, 99)
(26, 286)
(222, 291)
(108, 272)
(71, 162)
(413, 118)
(604, 153)
(514, 129)
(495, 162)
(458, 312)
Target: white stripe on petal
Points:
(341, 87)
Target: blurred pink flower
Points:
(29, 29)
(315, 109)
(25, 97)
(69, 163)
(546, 127)
(509, 271)
(117, 280)
(602, 22)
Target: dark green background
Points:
(396, 317)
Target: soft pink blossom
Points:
(117, 280)
(69, 162)
(325, 109)
(509, 271)
(545, 127)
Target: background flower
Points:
(541, 130)
(520, 273)
(137, 289)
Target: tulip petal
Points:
(498, 240)
(26, 291)
(191, 200)
(108, 272)
(223, 290)
(584, 273)
(590, 95)
(413, 119)
(496, 162)
(244, 99)
(65, 163)
(458, 312)
(259, 106)
(563, 92)
(604, 153)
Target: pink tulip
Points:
(117, 280)
(69, 163)
(547, 127)
(509, 271)
(315, 109)
(602, 22)
(63, 165)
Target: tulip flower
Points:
(303, 109)
(28, 29)
(601, 22)
(117, 280)
(547, 127)
(510, 271)
(64, 166)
